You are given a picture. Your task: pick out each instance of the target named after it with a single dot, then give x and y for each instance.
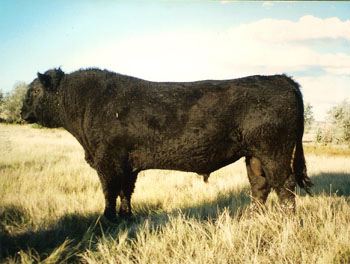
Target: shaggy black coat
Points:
(126, 125)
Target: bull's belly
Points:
(199, 158)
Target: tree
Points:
(11, 104)
(341, 115)
(308, 116)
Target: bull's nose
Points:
(22, 114)
(29, 117)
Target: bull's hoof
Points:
(110, 215)
(128, 216)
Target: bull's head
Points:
(41, 103)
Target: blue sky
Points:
(182, 41)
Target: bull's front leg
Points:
(110, 172)
(111, 189)
(127, 188)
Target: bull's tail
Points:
(299, 168)
(298, 160)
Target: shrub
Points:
(308, 116)
(328, 134)
(341, 115)
(11, 104)
(338, 131)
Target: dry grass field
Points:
(51, 202)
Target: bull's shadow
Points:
(330, 183)
(83, 230)
(80, 230)
(42, 241)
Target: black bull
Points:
(126, 125)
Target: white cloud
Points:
(307, 28)
(269, 45)
(266, 46)
(324, 92)
(338, 70)
(325, 89)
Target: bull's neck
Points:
(72, 112)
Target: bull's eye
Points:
(36, 92)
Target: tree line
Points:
(337, 132)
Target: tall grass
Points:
(51, 202)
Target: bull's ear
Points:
(45, 80)
(51, 79)
(58, 76)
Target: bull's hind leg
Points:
(259, 185)
(279, 175)
(286, 194)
